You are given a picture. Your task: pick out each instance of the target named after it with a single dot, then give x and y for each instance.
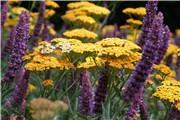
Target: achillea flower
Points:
(18, 10)
(31, 88)
(82, 19)
(151, 9)
(101, 91)
(48, 83)
(74, 5)
(52, 4)
(4, 11)
(134, 22)
(140, 11)
(80, 33)
(20, 46)
(17, 96)
(45, 109)
(10, 43)
(86, 97)
(40, 20)
(49, 13)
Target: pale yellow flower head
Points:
(82, 19)
(74, 5)
(80, 33)
(140, 11)
(134, 22)
(52, 4)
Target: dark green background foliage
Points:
(170, 9)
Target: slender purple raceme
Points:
(4, 11)
(19, 49)
(86, 96)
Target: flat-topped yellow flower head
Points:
(133, 22)
(96, 10)
(86, 20)
(52, 4)
(74, 5)
(80, 33)
(19, 10)
(140, 11)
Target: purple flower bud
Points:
(19, 49)
(4, 11)
(101, 91)
(40, 20)
(17, 96)
(151, 10)
(86, 96)
(10, 43)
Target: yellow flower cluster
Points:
(116, 47)
(177, 31)
(82, 19)
(80, 33)
(45, 62)
(107, 28)
(48, 83)
(140, 11)
(52, 4)
(18, 10)
(170, 91)
(49, 13)
(165, 70)
(134, 22)
(45, 109)
(125, 27)
(96, 10)
(171, 50)
(74, 5)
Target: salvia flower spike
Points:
(4, 11)
(19, 49)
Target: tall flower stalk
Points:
(4, 11)
(40, 21)
(86, 96)
(101, 91)
(18, 95)
(19, 49)
(151, 11)
(10, 43)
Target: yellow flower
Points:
(107, 28)
(82, 19)
(116, 47)
(171, 50)
(45, 109)
(165, 70)
(52, 4)
(133, 21)
(140, 11)
(18, 10)
(177, 31)
(169, 90)
(90, 62)
(74, 5)
(49, 13)
(125, 27)
(11, 22)
(96, 10)
(80, 33)
(177, 105)
(31, 88)
(48, 83)
(178, 52)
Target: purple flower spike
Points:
(40, 20)
(4, 11)
(10, 43)
(143, 68)
(143, 110)
(86, 96)
(19, 49)
(101, 91)
(18, 95)
(163, 45)
(151, 10)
